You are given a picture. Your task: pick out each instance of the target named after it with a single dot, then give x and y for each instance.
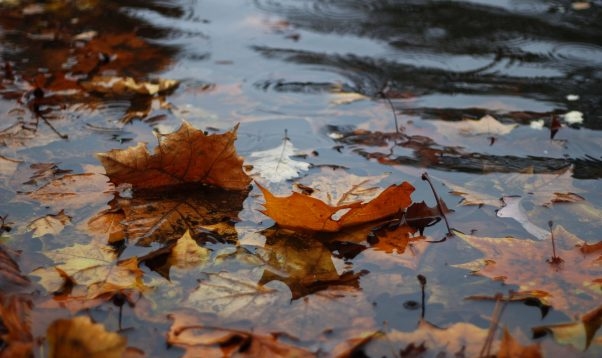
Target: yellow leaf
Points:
(79, 337)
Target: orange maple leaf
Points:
(298, 211)
(185, 156)
(574, 283)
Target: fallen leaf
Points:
(511, 348)
(187, 253)
(303, 263)
(458, 340)
(275, 165)
(9, 270)
(165, 214)
(299, 211)
(573, 284)
(580, 334)
(185, 156)
(93, 267)
(122, 85)
(513, 209)
(79, 337)
(16, 338)
(51, 224)
(468, 127)
(74, 191)
(201, 340)
(394, 240)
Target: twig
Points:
(555, 260)
(384, 95)
(426, 177)
(286, 138)
(422, 281)
(500, 305)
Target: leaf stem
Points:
(422, 281)
(384, 95)
(426, 177)
(555, 259)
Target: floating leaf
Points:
(121, 85)
(185, 156)
(579, 334)
(187, 253)
(485, 125)
(9, 269)
(51, 224)
(573, 284)
(200, 340)
(276, 165)
(79, 337)
(511, 348)
(74, 191)
(299, 211)
(16, 338)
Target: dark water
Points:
(281, 65)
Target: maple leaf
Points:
(165, 214)
(298, 211)
(51, 224)
(303, 263)
(16, 338)
(93, 267)
(486, 125)
(510, 348)
(185, 156)
(187, 253)
(574, 283)
(580, 334)
(276, 165)
(80, 337)
(428, 340)
(199, 339)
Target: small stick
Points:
(384, 95)
(283, 148)
(500, 305)
(422, 281)
(555, 259)
(425, 177)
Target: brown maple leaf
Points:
(303, 263)
(580, 334)
(299, 211)
(16, 338)
(80, 337)
(185, 156)
(572, 284)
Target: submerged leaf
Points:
(574, 283)
(299, 211)
(51, 224)
(485, 125)
(185, 156)
(511, 348)
(579, 334)
(79, 337)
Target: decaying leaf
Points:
(79, 337)
(428, 340)
(187, 253)
(276, 164)
(511, 348)
(92, 266)
(16, 338)
(394, 240)
(51, 224)
(303, 263)
(9, 269)
(185, 156)
(74, 191)
(298, 211)
(201, 340)
(485, 125)
(574, 283)
(121, 85)
(580, 334)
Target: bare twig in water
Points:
(426, 177)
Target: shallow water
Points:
(281, 67)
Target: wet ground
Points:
(336, 76)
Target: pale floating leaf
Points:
(276, 164)
(51, 224)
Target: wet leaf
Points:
(79, 337)
(94, 267)
(303, 263)
(185, 156)
(469, 127)
(74, 191)
(122, 85)
(9, 269)
(458, 340)
(16, 338)
(394, 240)
(186, 253)
(580, 334)
(298, 211)
(276, 165)
(510, 348)
(199, 339)
(573, 284)
(51, 224)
